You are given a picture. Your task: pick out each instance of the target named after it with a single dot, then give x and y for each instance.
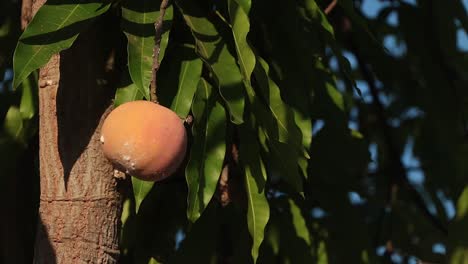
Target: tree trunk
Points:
(80, 205)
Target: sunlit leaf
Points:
(208, 149)
(322, 254)
(54, 28)
(299, 222)
(138, 18)
(213, 49)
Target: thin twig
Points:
(158, 27)
(330, 7)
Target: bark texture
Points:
(80, 205)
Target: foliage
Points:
(339, 147)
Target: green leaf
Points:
(179, 78)
(127, 94)
(153, 261)
(54, 28)
(213, 49)
(138, 18)
(322, 255)
(299, 222)
(28, 104)
(140, 191)
(258, 211)
(314, 12)
(285, 129)
(284, 160)
(239, 14)
(208, 150)
(13, 125)
(462, 205)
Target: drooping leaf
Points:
(179, 78)
(28, 104)
(289, 47)
(316, 14)
(127, 94)
(13, 124)
(284, 160)
(239, 14)
(208, 149)
(286, 129)
(257, 214)
(54, 28)
(140, 191)
(299, 222)
(459, 250)
(212, 47)
(258, 209)
(138, 18)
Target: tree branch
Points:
(26, 13)
(158, 26)
(330, 7)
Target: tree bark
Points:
(80, 202)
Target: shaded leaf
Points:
(29, 98)
(208, 150)
(138, 18)
(315, 13)
(140, 191)
(258, 210)
(213, 49)
(283, 128)
(239, 14)
(284, 160)
(200, 243)
(54, 28)
(13, 125)
(179, 78)
(127, 94)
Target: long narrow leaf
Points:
(138, 18)
(208, 150)
(258, 210)
(54, 28)
(178, 79)
(213, 49)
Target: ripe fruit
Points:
(144, 139)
